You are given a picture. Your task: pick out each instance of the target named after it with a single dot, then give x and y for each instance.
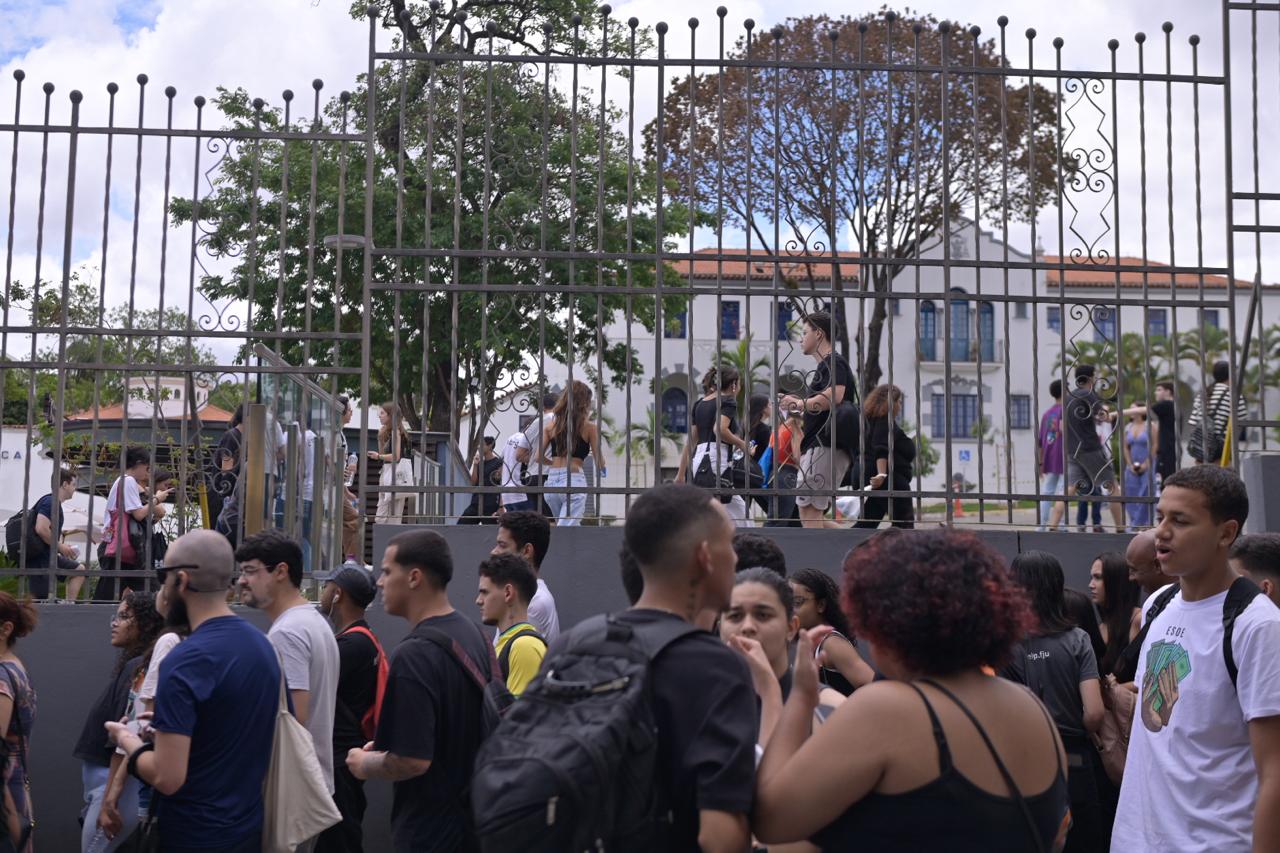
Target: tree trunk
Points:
(871, 371)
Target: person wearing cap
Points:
(215, 710)
(347, 593)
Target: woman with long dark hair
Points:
(569, 437)
(1056, 662)
(715, 441)
(939, 755)
(395, 451)
(890, 466)
(1117, 599)
(817, 602)
(110, 819)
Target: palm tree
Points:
(640, 440)
(753, 372)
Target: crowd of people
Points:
(923, 694)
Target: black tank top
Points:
(951, 812)
(581, 447)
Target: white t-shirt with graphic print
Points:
(1189, 780)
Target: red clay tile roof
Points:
(1077, 277)
(207, 412)
(790, 266)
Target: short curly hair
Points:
(940, 600)
(759, 552)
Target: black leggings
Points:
(875, 507)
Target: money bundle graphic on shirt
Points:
(1167, 664)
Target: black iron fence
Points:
(501, 210)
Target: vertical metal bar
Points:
(366, 325)
(944, 38)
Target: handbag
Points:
(720, 482)
(297, 805)
(1198, 442)
(128, 538)
(25, 825)
(1117, 722)
(404, 472)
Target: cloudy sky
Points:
(266, 46)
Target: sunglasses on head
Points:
(162, 571)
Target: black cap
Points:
(356, 581)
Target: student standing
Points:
(528, 534)
(1050, 452)
(507, 583)
(1203, 765)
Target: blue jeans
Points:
(1052, 484)
(92, 838)
(567, 509)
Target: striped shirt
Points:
(1219, 409)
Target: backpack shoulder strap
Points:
(504, 658)
(656, 636)
(454, 649)
(360, 629)
(1162, 601)
(1239, 596)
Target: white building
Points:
(1000, 355)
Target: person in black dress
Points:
(891, 453)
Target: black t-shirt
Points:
(1053, 668)
(704, 417)
(490, 475)
(1167, 449)
(707, 720)
(904, 451)
(93, 745)
(760, 437)
(1079, 407)
(357, 688)
(432, 710)
(815, 421)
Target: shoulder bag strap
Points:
(454, 649)
(1014, 791)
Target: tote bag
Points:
(297, 803)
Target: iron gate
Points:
(505, 208)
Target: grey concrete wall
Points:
(70, 658)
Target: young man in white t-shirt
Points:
(1203, 766)
(514, 454)
(528, 534)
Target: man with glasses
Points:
(215, 710)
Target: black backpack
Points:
(36, 547)
(1239, 596)
(504, 659)
(573, 766)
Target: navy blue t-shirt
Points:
(44, 507)
(220, 687)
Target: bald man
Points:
(226, 677)
(1144, 569)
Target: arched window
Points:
(928, 331)
(675, 410)
(987, 330)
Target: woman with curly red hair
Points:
(940, 755)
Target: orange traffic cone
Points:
(959, 508)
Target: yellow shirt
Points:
(526, 657)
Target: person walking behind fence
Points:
(270, 564)
(1206, 435)
(121, 552)
(351, 545)
(974, 763)
(1137, 467)
(568, 438)
(1050, 452)
(758, 432)
(828, 438)
(67, 559)
(890, 467)
(535, 470)
(786, 441)
(432, 721)
(709, 455)
(1203, 765)
(362, 680)
(17, 716)
(486, 472)
(395, 451)
(515, 455)
(216, 706)
(1089, 465)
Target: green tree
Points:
(511, 197)
(753, 371)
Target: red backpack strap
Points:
(383, 670)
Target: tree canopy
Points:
(849, 138)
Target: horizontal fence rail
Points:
(311, 312)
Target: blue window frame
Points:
(960, 421)
(1020, 411)
(785, 316)
(960, 330)
(928, 331)
(1211, 318)
(729, 324)
(1157, 323)
(676, 325)
(1104, 324)
(1053, 317)
(675, 410)
(987, 330)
